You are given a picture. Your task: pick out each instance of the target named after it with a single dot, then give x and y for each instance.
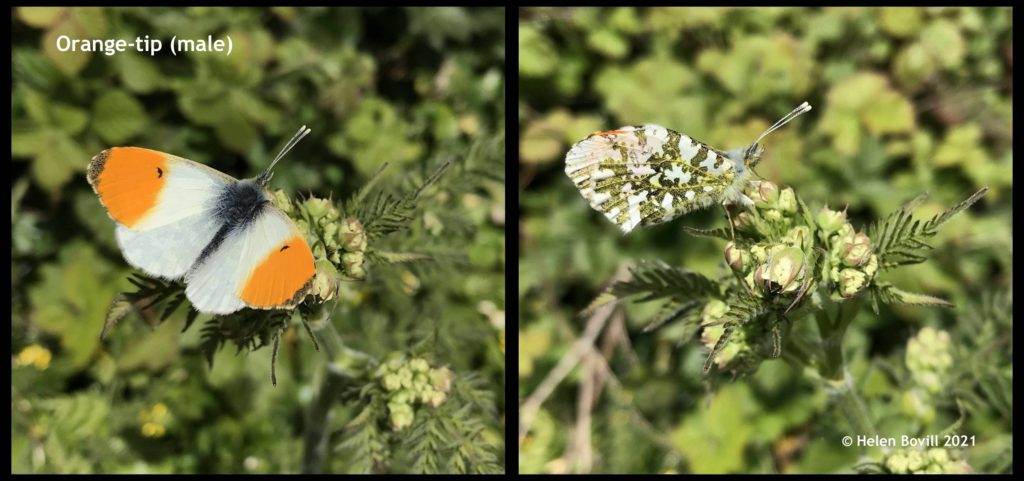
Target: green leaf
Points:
(68, 118)
(900, 22)
(944, 42)
(657, 280)
(961, 145)
(399, 257)
(40, 17)
(54, 165)
(72, 298)
(139, 73)
(889, 294)
(117, 117)
(889, 112)
(119, 308)
(608, 42)
(719, 233)
(537, 55)
(897, 239)
(236, 132)
(152, 350)
(34, 70)
(69, 62)
(27, 140)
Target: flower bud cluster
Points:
(410, 383)
(929, 358)
(852, 263)
(337, 244)
(932, 461)
(772, 204)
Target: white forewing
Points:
(168, 240)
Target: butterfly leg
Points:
(728, 217)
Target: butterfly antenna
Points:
(801, 109)
(265, 176)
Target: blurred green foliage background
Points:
(412, 87)
(905, 100)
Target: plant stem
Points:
(833, 368)
(342, 367)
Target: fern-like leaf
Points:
(718, 233)
(886, 293)
(722, 342)
(898, 238)
(657, 280)
(670, 312)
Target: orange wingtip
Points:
(282, 278)
(608, 132)
(128, 181)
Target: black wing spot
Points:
(283, 248)
(159, 172)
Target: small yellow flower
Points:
(410, 283)
(36, 355)
(153, 430)
(154, 420)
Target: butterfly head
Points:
(751, 155)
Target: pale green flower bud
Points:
(405, 376)
(938, 455)
(830, 221)
(787, 200)
(330, 234)
(401, 415)
(325, 281)
(419, 365)
(281, 200)
(332, 213)
(316, 207)
(773, 215)
(420, 381)
(799, 237)
(319, 251)
(303, 227)
(391, 382)
(871, 267)
(736, 257)
(897, 463)
(857, 250)
(436, 398)
(714, 310)
(783, 272)
(929, 358)
(916, 404)
(353, 264)
(742, 220)
(915, 460)
(352, 235)
(441, 378)
(764, 193)
(851, 281)
(404, 396)
(844, 234)
(758, 253)
(395, 360)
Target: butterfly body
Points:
(178, 219)
(643, 175)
